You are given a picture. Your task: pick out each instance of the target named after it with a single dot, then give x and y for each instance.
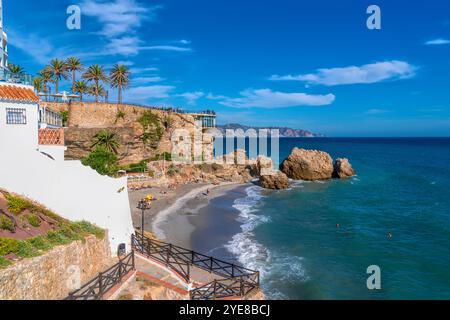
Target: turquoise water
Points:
(401, 188)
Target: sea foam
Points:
(253, 255)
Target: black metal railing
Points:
(96, 288)
(237, 280)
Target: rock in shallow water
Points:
(343, 169)
(276, 180)
(308, 165)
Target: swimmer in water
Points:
(338, 225)
(389, 235)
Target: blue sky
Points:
(305, 64)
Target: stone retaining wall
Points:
(57, 272)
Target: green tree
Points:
(101, 160)
(38, 84)
(97, 74)
(107, 140)
(47, 78)
(16, 71)
(81, 87)
(74, 65)
(58, 69)
(120, 79)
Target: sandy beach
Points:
(169, 215)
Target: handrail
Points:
(237, 280)
(96, 288)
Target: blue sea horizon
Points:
(401, 188)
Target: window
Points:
(16, 116)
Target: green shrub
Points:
(173, 170)
(8, 245)
(151, 125)
(26, 250)
(102, 161)
(17, 204)
(34, 220)
(7, 224)
(120, 115)
(40, 243)
(64, 117)
(57, 238)
(88, 228)
(4, 262)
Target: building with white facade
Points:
(32, 164)
(3, 41)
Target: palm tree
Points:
(16, 71)
(81, 88)
(107, 140)
(120, 78)
(58, 70)
(47, 77)
(97, 89)
(38, 84)
(95, 73)
(74, 65)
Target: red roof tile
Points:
(17, 93)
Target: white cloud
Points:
(376, 111)
(120, 20)
(369, 73)
(166, 48)
(439, 41)
(211, 96)
(266, 98)
(191, 97)
(147, 79)
(40, 48)
(118, 17)
(142, 94)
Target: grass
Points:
(6, 224)
(4, 263)
(32, 247)
(17, 204)
(34, 220)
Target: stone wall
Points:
(86, 119)
(54, 274)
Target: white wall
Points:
(70, 189)
(55, 151)
(25, 135)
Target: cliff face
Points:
(141, 132)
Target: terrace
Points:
(7, 76)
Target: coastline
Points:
(173, 216)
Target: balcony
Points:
(6, 76)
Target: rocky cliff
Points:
(143, 133)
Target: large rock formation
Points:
(263, 166)
(276, 180)
(308, 165)
(343, 169)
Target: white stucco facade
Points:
(68, 188)
(24, 134)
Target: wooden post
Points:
(100, 286)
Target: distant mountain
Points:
(285, 132)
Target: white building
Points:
(32, 164)
(3, 41)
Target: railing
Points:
(237, 280)
(6, 75)
(96, 288)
